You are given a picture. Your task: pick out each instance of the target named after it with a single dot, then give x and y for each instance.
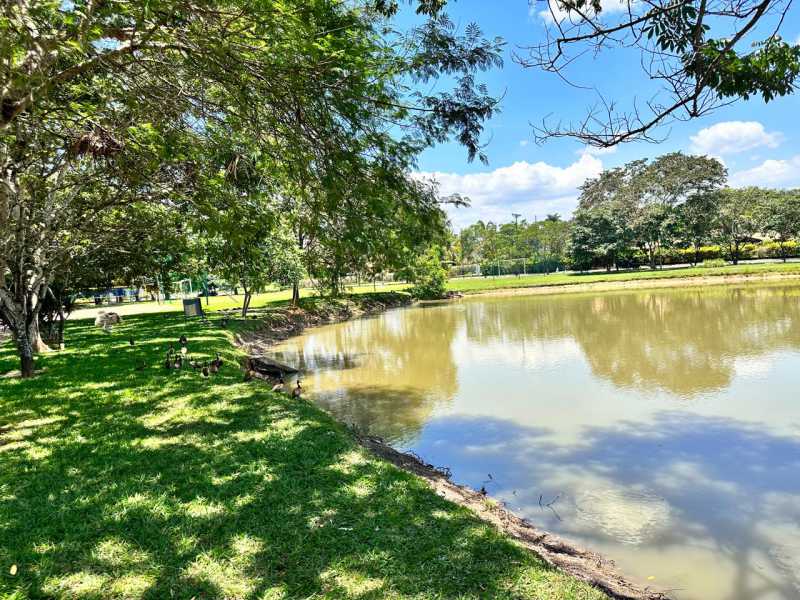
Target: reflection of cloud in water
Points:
(753, 367)
(628, 516)
(710, 505)
(535, 354)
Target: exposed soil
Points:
(578, 562)
(277, 324)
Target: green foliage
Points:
(769, 70)
(205, 109)
(429, 276)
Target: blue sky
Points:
(758, 143)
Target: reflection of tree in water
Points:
(684, 341)
(384, 375)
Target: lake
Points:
(659, 428)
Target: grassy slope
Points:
(118, 483)
(480, 284)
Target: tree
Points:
(603, 229)
(696, 220)
(253, 257)
(551, 238)
(702, 53)
(649, 196)
(106, 104)
(738, 218)
(780, 216)
(429, 276)
(600, 234)
(665, 185)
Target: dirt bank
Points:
(277, 324)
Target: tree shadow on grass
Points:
(153, 484)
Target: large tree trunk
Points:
(21, 312)
(27, 366)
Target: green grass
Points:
(230, 302)
(119, 483)
(480, 284)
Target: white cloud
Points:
(770, 173)
(596, 151)
(732, 137)
(532, 189)
(554, 13)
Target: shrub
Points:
(429, 276)
(713, 263)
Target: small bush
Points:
(713, 263)
(429, 277)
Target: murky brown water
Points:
(660, 428)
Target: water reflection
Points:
(385, 375)
(685, 342)
(708, 505)
(662, 428)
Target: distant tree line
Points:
(674, 209)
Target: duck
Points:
(217, 362)
(213, 367)
(194, 364)
(169, 363)
(131, 341)
(278, 387)
(249, 373)
(179, 362)
(182, 340)
(296, 392)
(205, 371)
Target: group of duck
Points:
(175, 360)
(278, 385)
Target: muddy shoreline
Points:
(281, 324)
(564, 555)
(582, 564)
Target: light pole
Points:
(516, 240)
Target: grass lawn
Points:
(125, 483)
(481, 284)
(225, 302)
